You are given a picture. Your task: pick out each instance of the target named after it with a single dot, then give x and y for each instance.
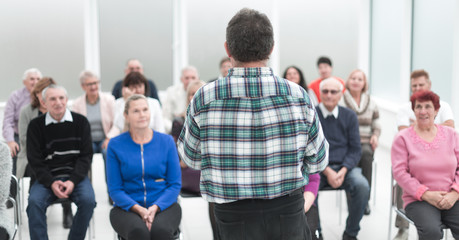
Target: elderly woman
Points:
(136, 83)
(294, 74)
(98, 107)
(358, 100)
(143, 174)
(425, 163)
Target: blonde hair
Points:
(365, 86)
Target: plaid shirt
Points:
(253, 135)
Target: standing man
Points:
(134, 65)
(59, 150)
(16, 101)
(324, 65)
(405, 118)
(256, 138)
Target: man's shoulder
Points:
(37, 122)
(78, 118)
(347, 113)
(315, 83)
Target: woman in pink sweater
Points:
(425, 163)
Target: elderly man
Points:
(324, 65)
(256, 138)
(175, 100)
(405, 117)
(341, 129)
(59, 150)
(16, 101)
(134, 65)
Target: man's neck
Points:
(58, 117)
(256, 64)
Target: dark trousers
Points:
(428, 219)
(129, 225)
(366, 162)
(4, 234)
(312, 217)
(279, 218)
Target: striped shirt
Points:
(253, 135)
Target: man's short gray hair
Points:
(85, 75)
(133, 59)
(53, 86)
(30, 71)
(249, 36)
(331, 79)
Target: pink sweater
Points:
(419, 166)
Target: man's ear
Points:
(227, 50)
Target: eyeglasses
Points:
(326, 91)
(92, 83)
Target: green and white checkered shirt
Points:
(253, 135)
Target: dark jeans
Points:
(41, 197)
(279, 218)
(428, 220)
(129, 225)
(366, 162)
(356, 187)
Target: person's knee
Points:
(86, 201)
(161, 232)
(138, 232)
(429, 232)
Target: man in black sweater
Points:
(341, 129)
(59, 152)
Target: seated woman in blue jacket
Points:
(143, 175)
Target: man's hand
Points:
(433, 197)
(14, 148)
(126, 92)
(68, 187)
(58, 188)
(448, 200)
(333, 178)
(374, 142)
(105, 143)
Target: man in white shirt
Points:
(405, 118)
(175, 100)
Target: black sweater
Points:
(59, 150)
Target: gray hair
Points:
(53, 86)
(331, 79)
(190, 68)
(87, 74)
(133, 59)
(249, 36)
(132, 98)
(30, 71)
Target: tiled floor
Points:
(195, 222)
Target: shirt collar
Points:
(327, 113)
(67, 117)
(244, 72)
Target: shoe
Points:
(402, 234)
(9, 204)
(67, 216)
(367, 210)
(347, 237)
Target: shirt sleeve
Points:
(455, 184)
(8, 118)
(35, 154)
(189, 143)
(399, 158)
(173, 177)
(445, 112)
(403, 116)
(354, 149)
(83, 163)
(115, 183)
(313, 185)
(316, 154)
(375, 126)
(157, 116)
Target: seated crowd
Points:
(141, 138)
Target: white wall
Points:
(46, 34)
